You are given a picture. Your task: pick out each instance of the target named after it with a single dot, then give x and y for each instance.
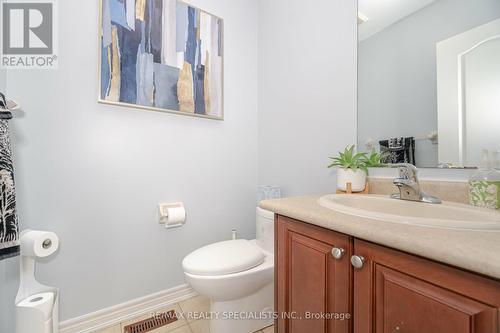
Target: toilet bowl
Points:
(238, 277)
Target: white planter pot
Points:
(356, 178)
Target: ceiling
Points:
(379, 14)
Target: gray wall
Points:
(397, 72)
(3, 80)
(94, 174)
(307, 91)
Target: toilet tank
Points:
(265, 229)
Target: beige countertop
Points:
(477, 251)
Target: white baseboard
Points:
(119, 313)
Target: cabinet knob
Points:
(338, 253)
(358, 261)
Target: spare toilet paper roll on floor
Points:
(43, 303)
(38, 244)
(34, 314)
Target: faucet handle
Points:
(406, 171)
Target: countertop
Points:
(476, 251)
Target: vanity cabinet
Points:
(388, 292)
(309, 281)
(397, 292)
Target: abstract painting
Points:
(163, 55)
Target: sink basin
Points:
(445, 216)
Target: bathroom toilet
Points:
(238, 277)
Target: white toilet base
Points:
(244, 315)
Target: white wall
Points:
(95, 173)
(307, 91)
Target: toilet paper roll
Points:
(37, 306)
(38, 244)
(175, 216)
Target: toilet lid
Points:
(223, 258)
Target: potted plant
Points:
(374, 160)
(352, 169)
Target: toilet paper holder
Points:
(37, 305)
(172, 215)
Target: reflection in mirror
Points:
(429, 80)
(482, 98)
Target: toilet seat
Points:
(222, 258)
(233, 286)
(238, 277)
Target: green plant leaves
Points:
(348, 159)
(374, 159)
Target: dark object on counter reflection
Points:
(398, 150)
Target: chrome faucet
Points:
(409, 186)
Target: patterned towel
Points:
(9, 230)
(398, 150)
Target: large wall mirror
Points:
(429, 80)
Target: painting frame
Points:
(100, 100)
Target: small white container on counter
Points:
(356, 178)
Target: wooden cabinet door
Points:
(313, 289)
(396, 292)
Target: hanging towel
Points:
(398, 150)
(9, 230)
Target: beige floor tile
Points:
(113, 329)
(183, 329)
(203, 326)
(200, 326)
(168, 328)
(269, 329)
(194, 306)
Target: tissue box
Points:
(267, 192)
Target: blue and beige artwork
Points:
(162, 54)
